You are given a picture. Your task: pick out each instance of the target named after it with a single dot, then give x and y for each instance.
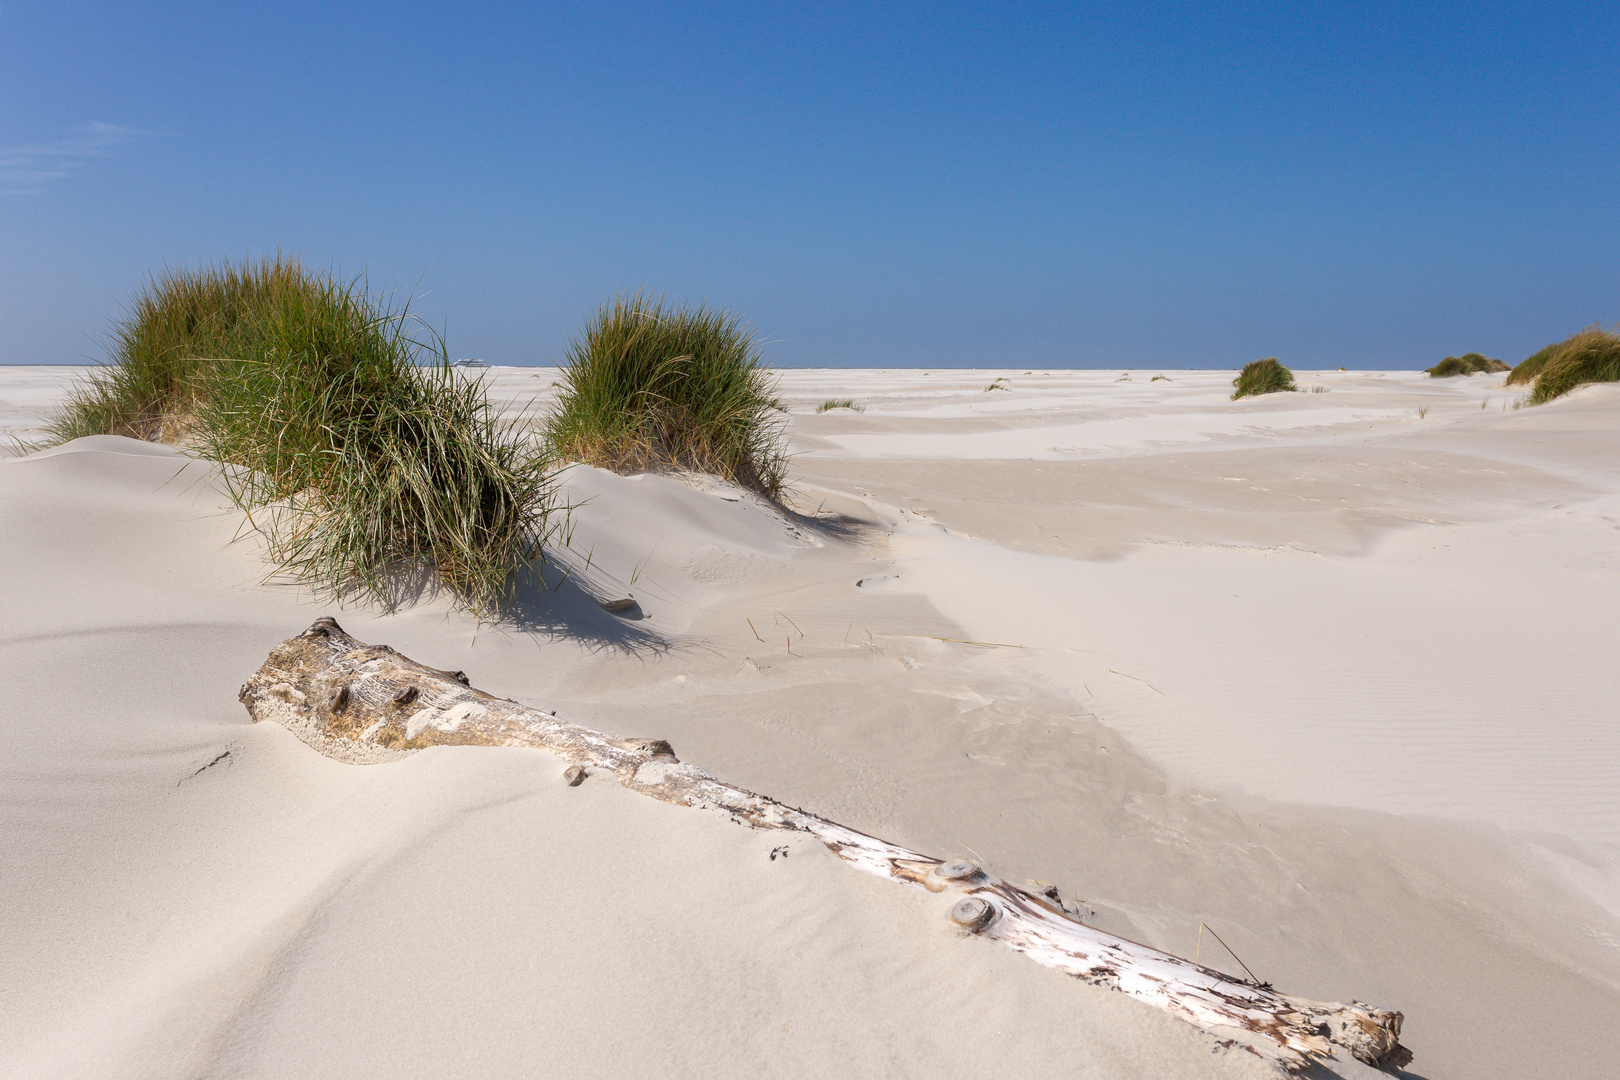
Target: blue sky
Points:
(1370, 185)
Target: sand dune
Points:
(1312, 669)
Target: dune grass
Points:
(839, 403)
(1592, 355)
(361, 467)
(1466, 364)
(165, 344)
(1262, 377)
(653, 386)
(1528, 368)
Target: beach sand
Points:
(1327, 673)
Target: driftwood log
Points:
(366, 704)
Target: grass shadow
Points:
(841, 528)
(551, 604)
(1325, 1071)
(820, 522)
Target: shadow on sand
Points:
(552, 604)
(565, 600)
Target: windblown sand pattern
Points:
(1327, 676)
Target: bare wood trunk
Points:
(366, 703)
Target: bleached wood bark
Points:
(366, 703)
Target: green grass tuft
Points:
(1531, 366)
(1466, 364)
(365, 469)
(165, 345)
(839, 403)
(1593, 355)
(652, 386)
(1262, 377)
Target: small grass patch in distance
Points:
(360, 466)
(839, 403)
(1262, 377)
(1466, 364)
(649, 385)
(1590, 356)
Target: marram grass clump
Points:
(167, 341)
(1262, 377)
(653, 386)
(1528, 368)
(1591, 356)
(1466, 364)
(360, 467)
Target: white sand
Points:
(1327, 676)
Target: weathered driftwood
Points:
(366, 703)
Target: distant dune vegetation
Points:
(1527, 369)
(1588, 356)
(1467, 364)
(1262, 377)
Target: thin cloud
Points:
(28, 169)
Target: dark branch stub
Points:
(972, 913)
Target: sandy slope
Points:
(1312, 669)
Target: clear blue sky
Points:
(1372, 185)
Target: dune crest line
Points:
(366, 704)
